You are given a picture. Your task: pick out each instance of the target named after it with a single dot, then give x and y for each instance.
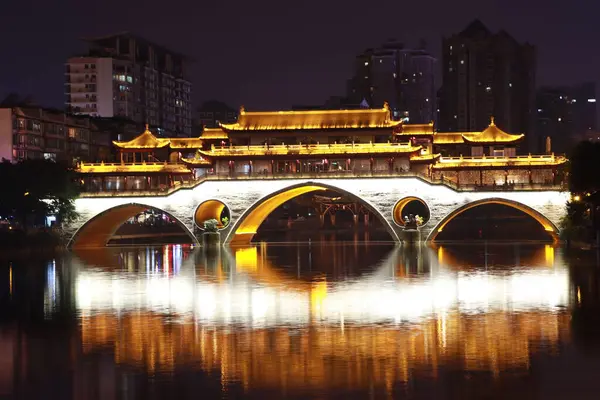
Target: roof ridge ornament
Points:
(492, 123)
(147, 128)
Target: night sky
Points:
(273, 54)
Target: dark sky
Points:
(272, 54)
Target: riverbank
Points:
(15, 243)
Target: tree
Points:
(34, 189)
(584, 184)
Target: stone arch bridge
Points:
(250, 201)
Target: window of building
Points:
(36, 126)
(72, 133)
(477, 151)
(50, 156)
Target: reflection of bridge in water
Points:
(238, 314)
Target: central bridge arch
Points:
(248, 223)
(548, 225)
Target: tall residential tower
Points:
(487, 75)
(126, 76)
(404, 78)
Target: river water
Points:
(321, 320)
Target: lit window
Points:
(427, 100)
(559, 119)
(574, 101)
(456, 116)
(540, 110)
(510, 85)
(488, 89)
(366, 63)
(591, 100)
(462, 61)
(560, 97)
(450, 47)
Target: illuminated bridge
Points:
(240, 173)
(250, 201)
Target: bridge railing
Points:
(239, 176)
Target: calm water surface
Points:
(345, 320)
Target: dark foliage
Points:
(34, 189)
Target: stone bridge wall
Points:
(381, 193)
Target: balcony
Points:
(133, 168)
(499, 161)
(311, 149)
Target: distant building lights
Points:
(591, 100)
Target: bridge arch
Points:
(402, 203)
(212, 209)
(98, 230)
(548, 225)
(248, 223)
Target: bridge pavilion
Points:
(334, 142)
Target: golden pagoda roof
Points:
(112, 168)
(185, 143)
(197, 161)
(417, 129)
(425, 157)
(214, 133)
(492, 134)
(448, 138)
(313, 119)
(144, 141)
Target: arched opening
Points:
(131, 224)
(494, 220)
(411, 206)
(308, 208)
(212, 209)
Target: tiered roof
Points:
(145, 141)
(312, 120)
(492, 134)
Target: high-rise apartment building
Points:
(127, 76)
(404, 78)
(486, 75)
(565, 114)
(213, 112)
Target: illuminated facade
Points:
(267, 158)
(127, 76)
(37, 133)
(325, 142)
